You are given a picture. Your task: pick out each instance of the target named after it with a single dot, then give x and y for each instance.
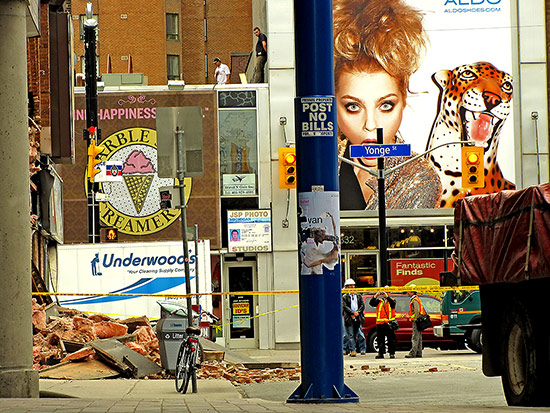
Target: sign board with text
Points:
(249, 230)
(421, 271)
(379, 151)
(239, 184)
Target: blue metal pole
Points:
(318, 209)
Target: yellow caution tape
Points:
(418, 288)
(218, 327)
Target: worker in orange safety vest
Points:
(385, 313)
(415, 309)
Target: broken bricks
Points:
(67, 335)
(238, 374)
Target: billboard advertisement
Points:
(429, 73)
(130, 268)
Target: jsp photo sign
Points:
(249, 230)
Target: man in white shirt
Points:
(222, 72)
(353, 308)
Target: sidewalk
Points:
(126, 395)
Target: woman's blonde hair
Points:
(375, 35)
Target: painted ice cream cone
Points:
(138, 173)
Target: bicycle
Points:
(190, 356)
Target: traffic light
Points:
(287, 167)
(473, 174)
(93, 151)
(111, 234)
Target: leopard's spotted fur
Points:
(474, 102)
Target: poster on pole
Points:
(318, 229)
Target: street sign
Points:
(379, 151)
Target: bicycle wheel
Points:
(190, 360)
(181, 366)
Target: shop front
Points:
(419, 247)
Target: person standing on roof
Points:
(385, 312)
(222, 72)
(261, 56)
(415, 309)
(353, 309)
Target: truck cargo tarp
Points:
(495, 236)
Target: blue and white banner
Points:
(129, 268)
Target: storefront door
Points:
(240, 309)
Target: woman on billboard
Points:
(378, 45)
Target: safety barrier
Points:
(218, 327)
(418, 288)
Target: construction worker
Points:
(385, 312)
(353, 310)
(415, 309)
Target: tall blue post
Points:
(318, 209)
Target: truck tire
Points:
(473, 340)
(525, 379)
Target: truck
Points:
(502, 245)
(461, 318)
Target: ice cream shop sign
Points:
(133, 205)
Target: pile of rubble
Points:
(239, 374)
(65, 335)
(68, 344)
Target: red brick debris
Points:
(239, 374)
(53, 334)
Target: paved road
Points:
(457, 386)
(456, 379)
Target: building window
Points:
(238, 144)
(172, 32)
(173, 67)
(82, 20)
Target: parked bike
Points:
(190, 357)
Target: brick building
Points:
(168, 39)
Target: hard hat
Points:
(349, 281)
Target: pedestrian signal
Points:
(473, 174)
(111, 234)
(287, 168)
(93, 151)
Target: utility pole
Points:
(318, 208)
(181, 186)
(382, 239)
(91, 133)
